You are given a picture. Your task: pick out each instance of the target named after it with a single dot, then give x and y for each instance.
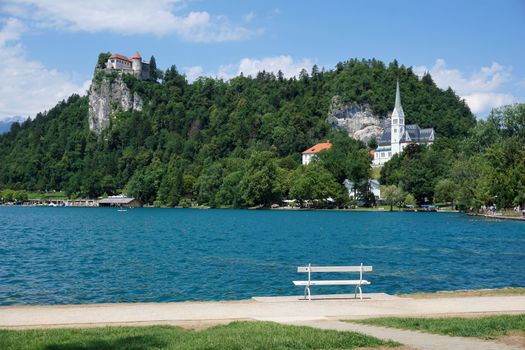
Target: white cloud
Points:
(27, 86)
(481, 89)
(484, 101)
(129, 17)
(193, 73)
(12, 31)
(285, 64)
(251, 66)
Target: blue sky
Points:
(49, 47)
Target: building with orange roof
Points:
(132, 65)
(314, 150)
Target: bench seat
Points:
(331, 283)
(315, 269)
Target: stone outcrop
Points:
(359, 121)
(107, 96)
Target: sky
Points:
(48, 48)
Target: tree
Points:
(258, 185)
(209, 183)
(20, 196)
(445, 191)
(467, 175)
(8, 195)
(154, 73)
(410, 200)
(102, 59)
(372, 143)
(314, 182)
(144, 185)
(392, 195)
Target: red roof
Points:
(116, 55)
(137, 55)
(318, 148)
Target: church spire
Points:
(398, 109)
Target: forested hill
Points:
(211, 142)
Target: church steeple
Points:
(398, 109)
(397, 127)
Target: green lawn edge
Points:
(485, 327)
(235, 335)
(467, 293)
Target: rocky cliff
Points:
(109, 95)
(359, 121)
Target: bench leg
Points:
(307, 291)
(360, 293)
(355, 292)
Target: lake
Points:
(98, 255)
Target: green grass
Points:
(466, 293)
(47, 195)
(236, 335)
(488, 327)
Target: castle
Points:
(133, 65)
(396, 137)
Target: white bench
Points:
(311, 269)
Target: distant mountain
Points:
(5, 125)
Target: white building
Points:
(396, 137)
(312, 152)
(133, 65)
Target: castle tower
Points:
(136, 65)
(397, 128)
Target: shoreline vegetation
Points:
(238, 143)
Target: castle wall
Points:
(115, 63)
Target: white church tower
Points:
(397, 123)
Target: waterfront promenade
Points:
(278, 309)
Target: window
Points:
(395, 129)
(390, 154)
(394, 121)
(383, 154)
(401, 121)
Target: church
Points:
(396, 137)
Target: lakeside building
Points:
(120, 202)
(312, 152)
(396, 137)
(133, 65)
(81, 203)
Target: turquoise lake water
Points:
(95, 255)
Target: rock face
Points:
(359, 121)
(107, 97)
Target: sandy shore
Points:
(278, 309)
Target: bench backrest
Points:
(334, 268)
(310, 269)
